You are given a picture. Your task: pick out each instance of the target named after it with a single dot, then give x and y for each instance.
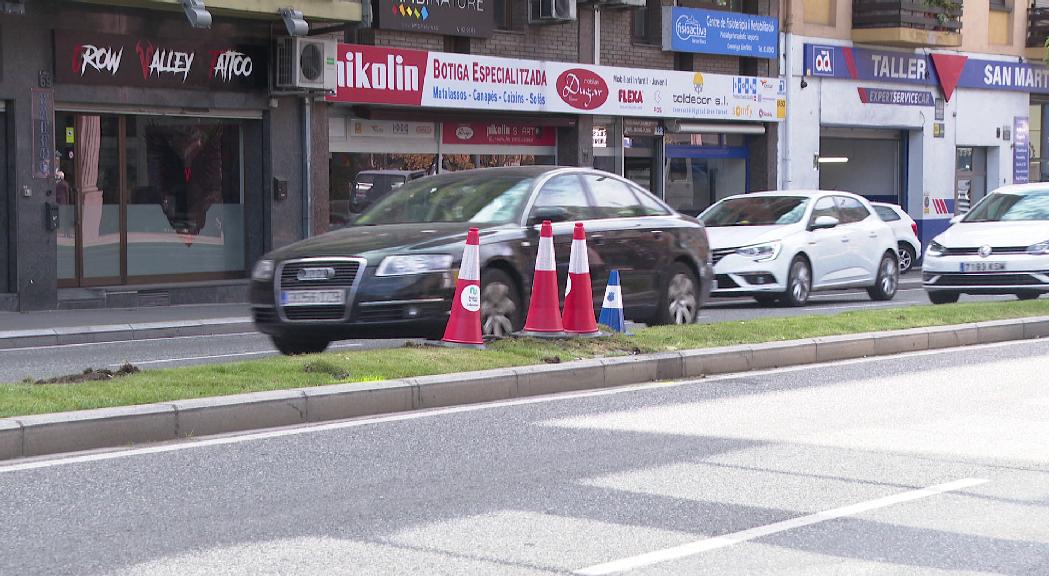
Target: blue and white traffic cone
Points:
(612, 305)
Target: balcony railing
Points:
(1037, 25)
(914, 14)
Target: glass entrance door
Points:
(88, 190)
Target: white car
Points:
(906, 231)
(1000, 247)
(781, 246)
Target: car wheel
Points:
(680, 301)
(799, 283)
(294, 346)
(907, 257)
(941, 297)
(766, 299)
(888, 279)
(500, 304)
(1028, 295)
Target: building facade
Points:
(927, 106)
(596, 84)
(145, 160)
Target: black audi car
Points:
(392, 272)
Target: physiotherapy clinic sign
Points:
(948, 71)
(719, 32)
(475, 18)
(394, 76)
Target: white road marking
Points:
(237, 438)
(701, 546)
(230, 355)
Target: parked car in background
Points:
(906, 231)
(1000, 247)
(370, 185)
(392, 272)
(781, 246)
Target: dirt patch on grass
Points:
(91, 375)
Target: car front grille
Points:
(976, 251)
(264, 315)
(327, 312)
(345, 274)
(720, 253)
(983, 279)
(401, 311)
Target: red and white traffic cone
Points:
(579, 295)
(464, 325)
(544, 311)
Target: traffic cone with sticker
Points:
(578, 318)
(544, 311)
(464, 325)
(612, 305)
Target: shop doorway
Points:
(970, 177)
(148, 199)
(867, 162)
(699, 176)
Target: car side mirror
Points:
(551, 213)
(824, 222)
(957, 219)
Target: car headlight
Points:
(403, 265)
(1039, 249)
(263, 271)
(936, 249)
(761, 252)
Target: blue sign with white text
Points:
(718, 32)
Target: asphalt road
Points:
(930, 464)
(51, 361)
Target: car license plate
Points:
(312, 297)
(983, 266)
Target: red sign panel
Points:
(376, 75)
(582, 89)
(498, 134)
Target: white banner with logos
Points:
(370, 74)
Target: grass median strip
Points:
(278, 373)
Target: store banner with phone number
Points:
(393, 76)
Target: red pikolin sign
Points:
(368, 74)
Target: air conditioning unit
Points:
(552, 10)
(305, 64)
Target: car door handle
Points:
(598, 239)
(845, 240)
(657, 234)
(873, 234)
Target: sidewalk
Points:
(57, 327)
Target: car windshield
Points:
(475, 198)
(756, 211)
(378, 183)
(1005, 207)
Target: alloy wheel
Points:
(905, 260)
(802, 281)
(890, 274)
(681, 299)
(497, 310)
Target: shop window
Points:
(358, 180)
(564, 193)
(185, 212)
(613, 199)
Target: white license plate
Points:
(312, 297)
(983, 266)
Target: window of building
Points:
(503, 15)
(646, 24)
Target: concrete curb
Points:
(112, 427)
(123, 332)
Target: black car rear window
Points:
(474, 198)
